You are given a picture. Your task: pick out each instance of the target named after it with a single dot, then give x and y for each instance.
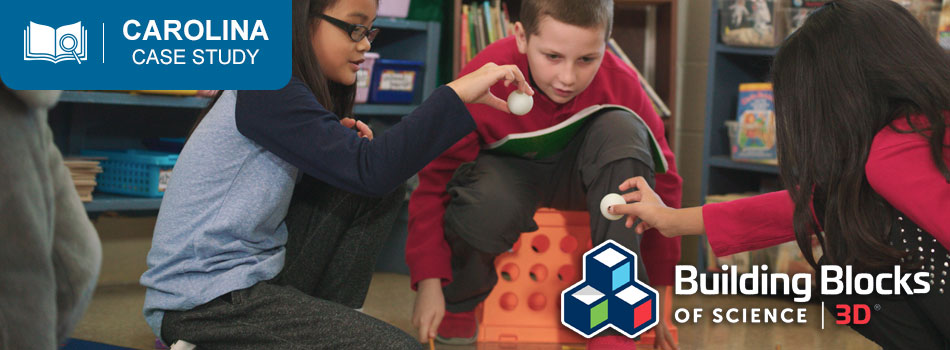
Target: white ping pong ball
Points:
(611, 199)
(519, 103)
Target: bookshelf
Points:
(115, 120)
(728, 67)
(645, 30)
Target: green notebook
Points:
(548, 141)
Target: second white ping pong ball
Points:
(611, 199)
(519, 103)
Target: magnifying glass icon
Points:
(68, 43)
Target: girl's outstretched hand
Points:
(646, 205)
(474, 87)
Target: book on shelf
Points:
(83, 172)
(471, 43)
(479, 29)
(489, 24)
(542, 143)
(748, 23)
(943, 25)
(496, 22)
(755, 115)
(505, 21)
(463, 35)
(481, 23)
(658, 105)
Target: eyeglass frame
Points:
(350, 28)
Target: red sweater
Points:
(899, 168)
(427, 252)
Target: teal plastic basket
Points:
(134, 172)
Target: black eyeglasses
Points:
(356, 31)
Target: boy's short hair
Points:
(581, 13)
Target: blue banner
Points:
(146, 45)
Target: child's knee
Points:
(618, 127)
(613, 136)
(611, 120)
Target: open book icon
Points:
(43, 43)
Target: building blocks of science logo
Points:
(609, 295)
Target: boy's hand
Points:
(361, 128)
(475, 87)
(429, 309)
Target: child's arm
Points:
(427, 252)
(901, 169)
(293, 125)
(731, 227)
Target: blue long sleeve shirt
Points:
(221, 224)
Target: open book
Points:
(43, 43)
(548, 141)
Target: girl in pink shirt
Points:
(861, 92)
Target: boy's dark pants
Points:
(333, 241)
(494, 199)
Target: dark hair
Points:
(581, 13)
(333, 96)
(853, 68)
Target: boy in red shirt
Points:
(471, 205)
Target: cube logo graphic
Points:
(609, 295)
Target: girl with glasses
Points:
(269, 229)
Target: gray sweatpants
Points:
(334, 238)
(494, 199)
(49, 251)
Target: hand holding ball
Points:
(611, 199)
(519, 103)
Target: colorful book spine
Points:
(509, 30)
(502, 18)
(463, 37)
(489, 30)
(480, 27)
(496, 17)
(472, 33)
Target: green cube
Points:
(598, 314)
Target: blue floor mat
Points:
(77, 344)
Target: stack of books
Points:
(84, 171)
(482, 23)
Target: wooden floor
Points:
(115, 314)
(115, 317)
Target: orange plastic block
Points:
(525, 305)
